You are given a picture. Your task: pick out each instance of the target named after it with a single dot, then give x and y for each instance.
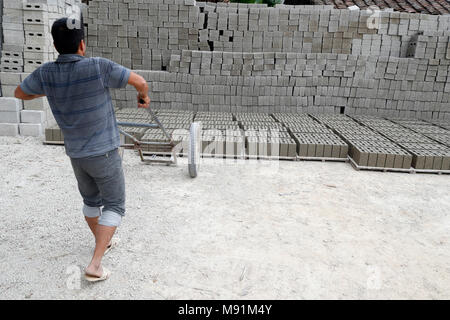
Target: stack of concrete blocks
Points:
(411, 135)
(35, 115)
(26, 25)
(221, 135)
(9, 116)
(38, 18)
(142, 34)
(248, 28)
(251, 58)
(13, 36)
(264, 137)
(1, 32)
(288, 82)
(314, 140)
(38, 41)
(346, 66)
(441, 137)
(28, 44)
(433, 45)
(367, 148)
(54, 135)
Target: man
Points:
(77, 89)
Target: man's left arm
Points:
(31, 88)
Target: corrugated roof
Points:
(411, 6)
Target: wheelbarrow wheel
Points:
(121, 149)
(194, 149)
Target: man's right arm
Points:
(141, 87)
(20, 94)
(31, 88)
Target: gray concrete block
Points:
(9, 117)
(10, 104)
(31, 129)
(8, 90)
(9, 78)
(32, 116)
(36, 104)
(9, 129)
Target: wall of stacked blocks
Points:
(237, 57)
(26, 44)
(285, 59)
(231, 65)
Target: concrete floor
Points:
(269, 230)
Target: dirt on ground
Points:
(241, 230)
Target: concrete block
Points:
(36, 104)
(9, 117)
(8, 78)
(31, 129)
(12, 4)
(10, 104)
(32, 116)
(35, 6)
(8, 90)
(35, 17)
(10, 68)
(14, 37)
(9, 129)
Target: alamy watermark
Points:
(373, 22)
(73, 280)
(258, 147)
(74, 17)
(374, 281)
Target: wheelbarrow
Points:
(194, 143)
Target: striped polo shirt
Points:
(77, 89)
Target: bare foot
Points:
(94, 271)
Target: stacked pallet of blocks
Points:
(221, 135)
(313, 138)
(398, 144)
(27, 45)
(367, 147)
(371, 142)
(427, 144)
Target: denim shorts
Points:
(101, 182)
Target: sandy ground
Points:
(299, 230)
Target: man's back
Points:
(77, 89)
